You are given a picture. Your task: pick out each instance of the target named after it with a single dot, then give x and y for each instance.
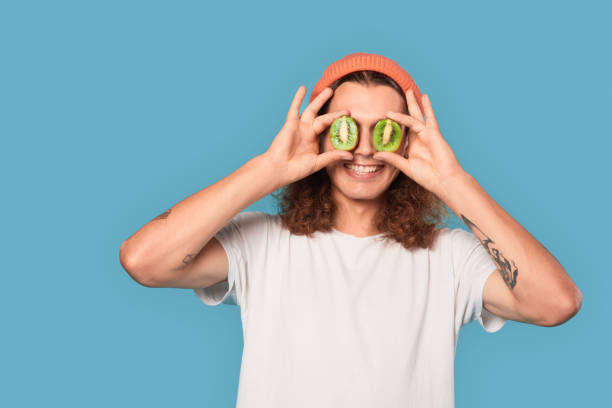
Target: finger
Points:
(331, 156)
(407, 120)
(294, 109)
(315, 106)
(413, 106)
(324, 121)
(408, 142)
(391, 158)
(429, 110)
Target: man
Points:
(350, 296)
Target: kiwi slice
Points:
(387, 136)
(343, 133)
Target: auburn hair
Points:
(410, 214)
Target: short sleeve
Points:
(241, 238)
(472, 267)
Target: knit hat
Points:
(359, 61)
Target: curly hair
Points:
(410, 214)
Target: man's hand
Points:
(429, 160)
(294, 152)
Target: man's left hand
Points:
(428, 159)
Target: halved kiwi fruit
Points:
(343, 133)
(387, 136)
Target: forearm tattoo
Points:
(507, 271)
(189, 257)
(164, 215)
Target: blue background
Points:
(113, 111)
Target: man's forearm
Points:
(173, 238)
(535, 277)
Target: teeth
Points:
(362, 169)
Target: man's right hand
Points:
(295, 151)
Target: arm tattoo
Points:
(508, 272)
(188, 258)
(164, 215)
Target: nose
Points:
(364, 147)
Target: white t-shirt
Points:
(336, 320)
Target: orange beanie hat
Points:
(360, 61)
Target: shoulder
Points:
(248, 222)
(251, 217)
(462, 239)
(257, 220)
(442, 238)
(456, 236)
(455, 241)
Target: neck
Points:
(355, 217)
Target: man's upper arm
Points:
(209, 267)
(498, 299)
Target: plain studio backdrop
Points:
(113, 111)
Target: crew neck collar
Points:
(354, 236)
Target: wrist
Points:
(265, 172)
(452, 186)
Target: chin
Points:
(362, 196)
(359, 189)
(356, 190)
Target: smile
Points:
(363, 171)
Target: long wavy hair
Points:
(410, 214)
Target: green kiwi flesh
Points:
(387, 136)
(343, 133)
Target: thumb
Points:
(393, 159)
(331, 156)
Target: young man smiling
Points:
(351, 296)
